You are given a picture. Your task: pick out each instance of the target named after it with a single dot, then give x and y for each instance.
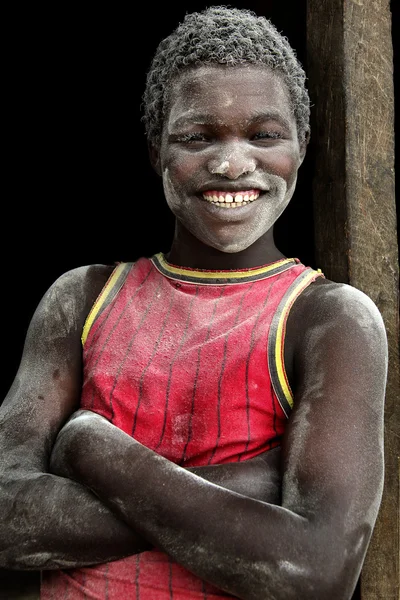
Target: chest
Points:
(185, 371)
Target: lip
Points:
(232, 187)
(229, 214)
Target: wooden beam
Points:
(350, 70)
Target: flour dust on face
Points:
(230, 230)
(229, 154)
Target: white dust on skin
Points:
(226, 230)
(221, 169)
(29, 418)
(46, 352)
(290, 568)
(204, 89)
(224, 167)
(343, 307)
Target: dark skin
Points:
(318, 499)
(44, 394)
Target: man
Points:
(206, 423)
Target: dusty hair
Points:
(226, 36)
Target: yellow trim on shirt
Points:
(107, 289)
(204, 274)
(279, 348)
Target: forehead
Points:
(229, 92)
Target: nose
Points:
(232, 162)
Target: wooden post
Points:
(350, 71)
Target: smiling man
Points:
(216, 152)
(206, 423)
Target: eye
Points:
(190, 138)
(268, 135)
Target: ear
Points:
(154, 155)
(303, 146)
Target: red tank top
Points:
(190, 363)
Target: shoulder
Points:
(83, 276)
(339, 305)
(70, 297)
(335, 329)
(326, 305)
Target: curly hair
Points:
(226, 36)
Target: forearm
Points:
(239, 544)
(49, 522)
(258, 478)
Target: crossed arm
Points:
(310, 546)
(48, 521)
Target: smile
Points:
(231, 199)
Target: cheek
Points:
(285, 165)
(174, 189)
(181, 168)
(169, 186)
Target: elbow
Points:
(11, 539)
(16, 558)
(294, 582)
(332, 575)
(9, 534)
(9, 560)
(325, 570)
(288, 581)
(19, 549)
(19, 514)
(10, 549)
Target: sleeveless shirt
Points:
(191, 364)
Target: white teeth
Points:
(229, 200)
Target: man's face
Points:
(229, 153)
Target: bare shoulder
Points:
(71, 296)
(46, 388)
(54, 332)
(83, 283)
(337, 333)
(326, 306)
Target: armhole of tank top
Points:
(276, 339)
(111, 288)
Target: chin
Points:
(229, 247)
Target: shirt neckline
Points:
(209, 276)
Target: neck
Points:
(188, 251)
